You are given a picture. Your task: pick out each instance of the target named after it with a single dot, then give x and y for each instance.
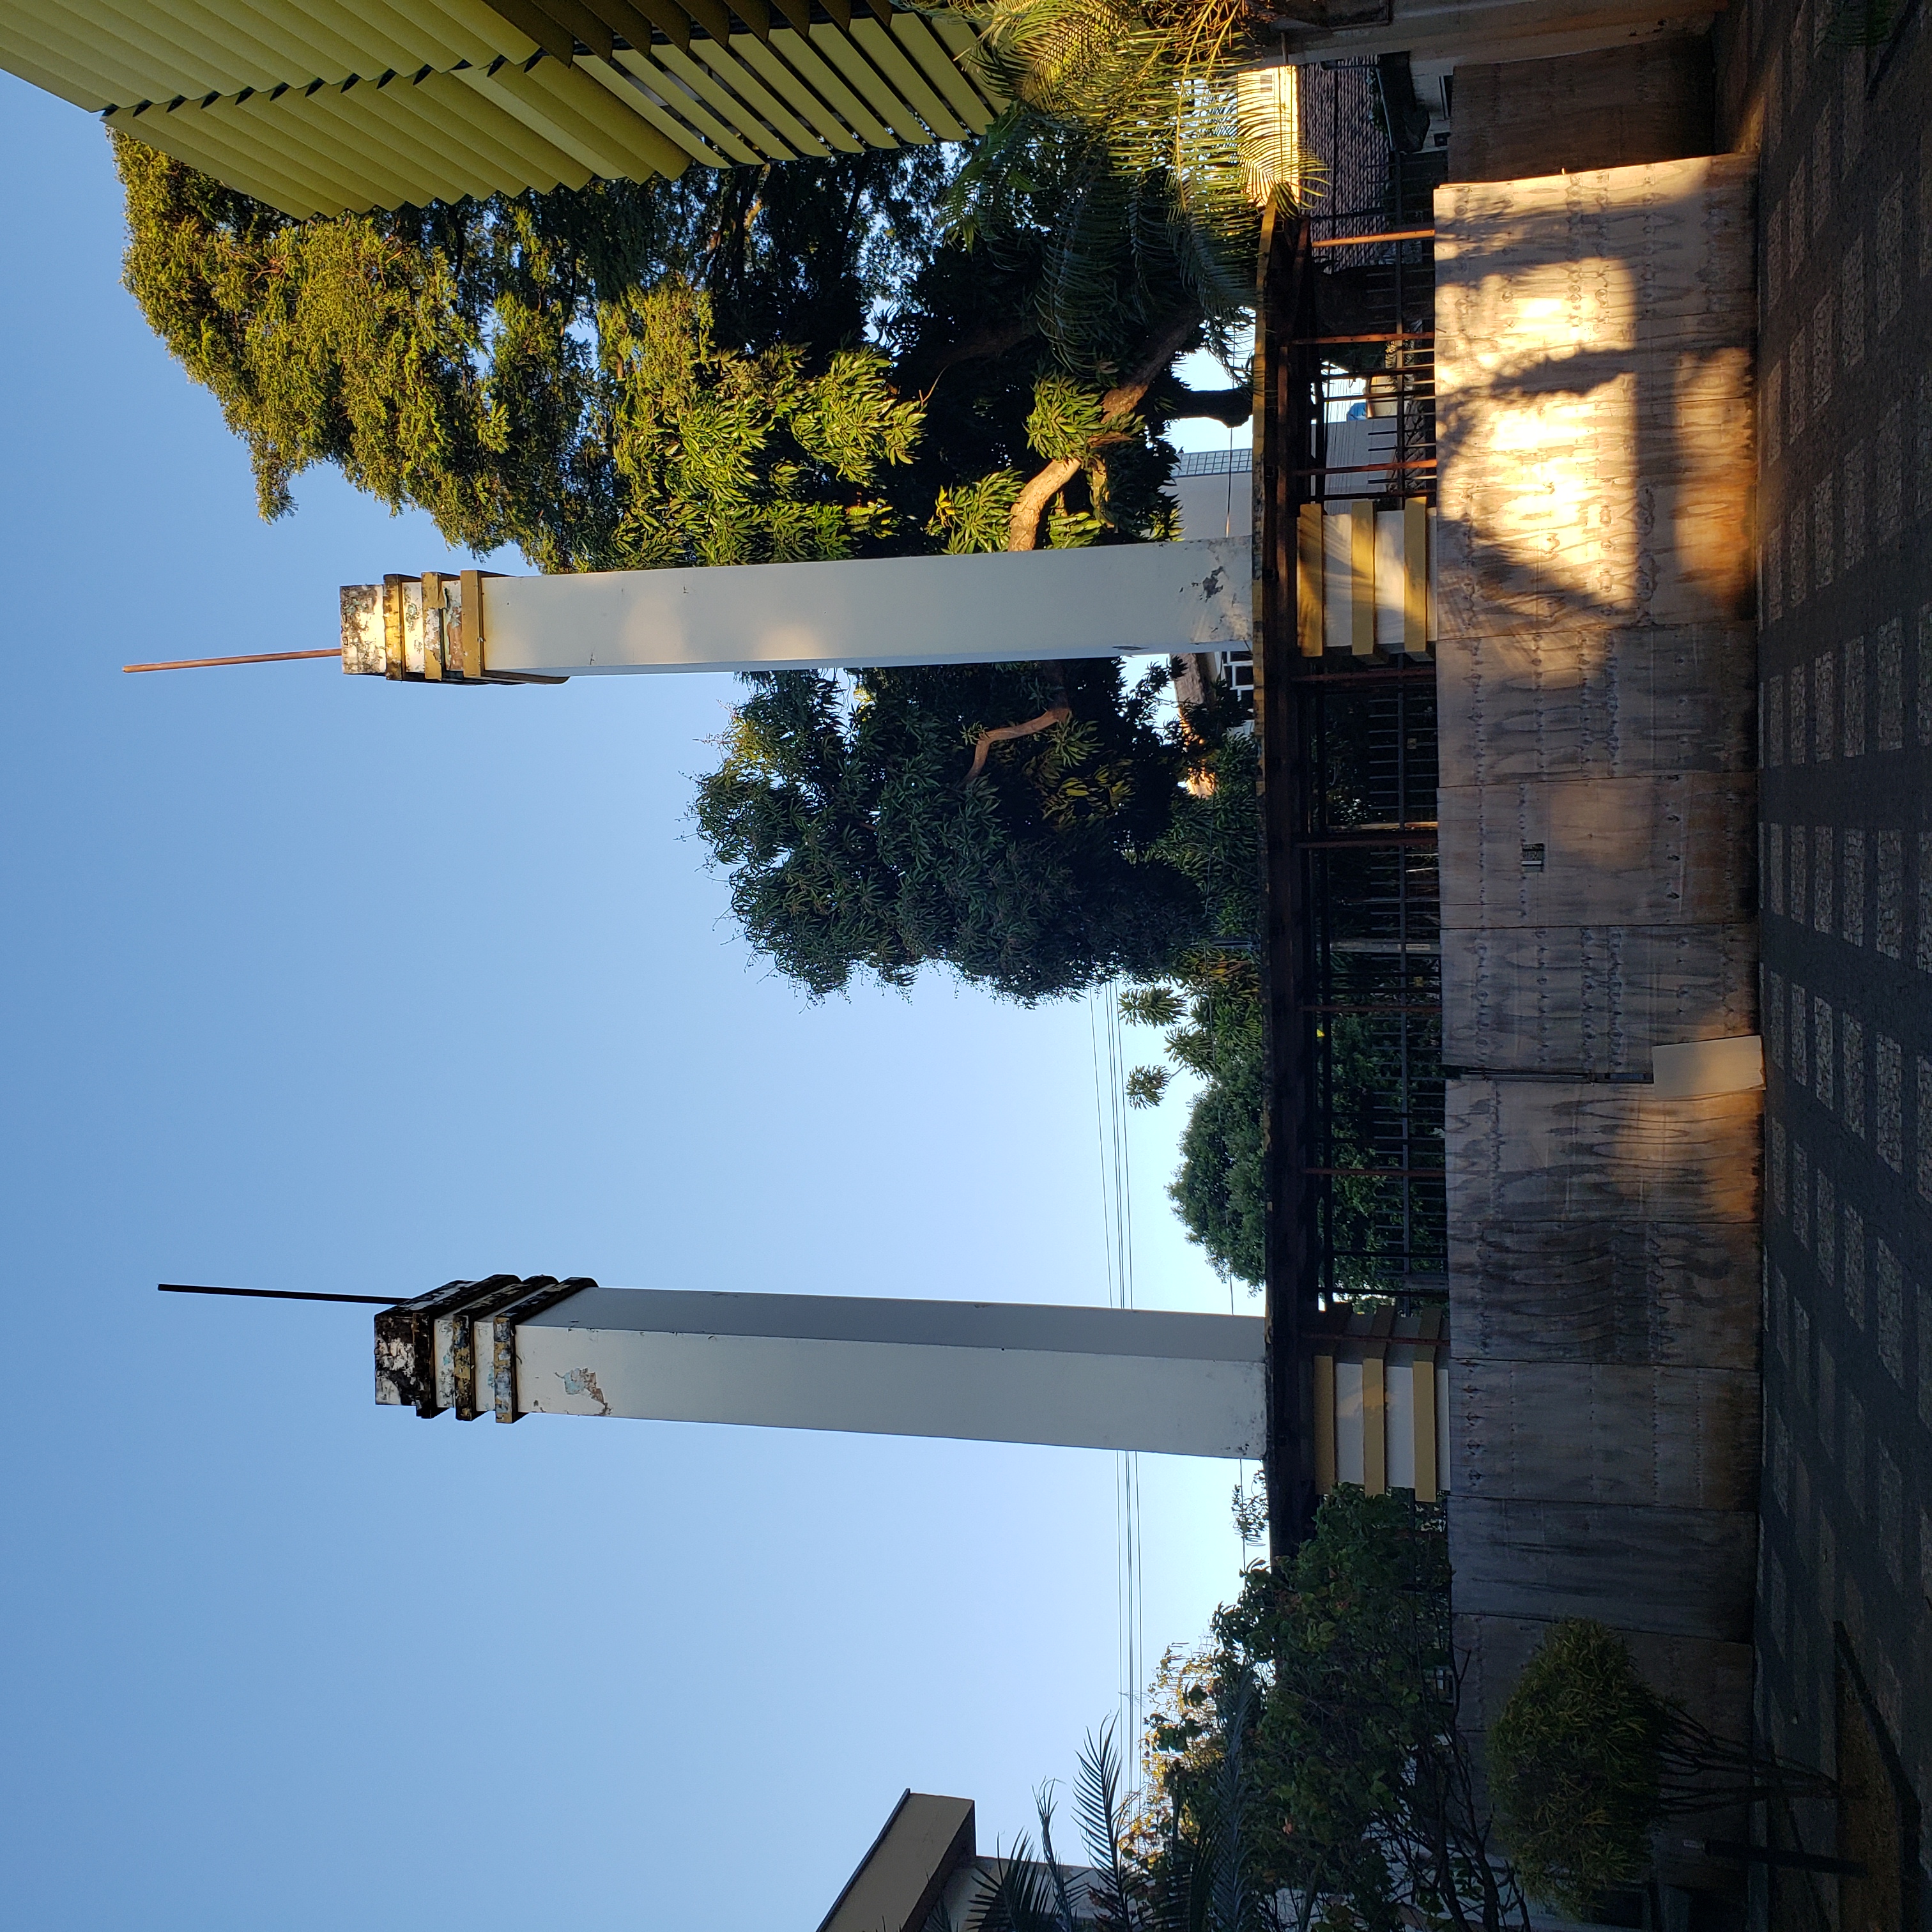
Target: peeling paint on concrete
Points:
(405, 1352)
(583, 1381)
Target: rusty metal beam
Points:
(1369, 241)
(1363, 842)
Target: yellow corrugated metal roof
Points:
(337, 105)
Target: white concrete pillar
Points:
(1120, 600)
(1171, 1384)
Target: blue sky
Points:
(314, 982)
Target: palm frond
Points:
(1227, 1845)
(1063, 1893)
(1165, 151)
(1097, 1807)
(1017, 1898)
(1267, 136)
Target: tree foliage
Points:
(794, 361)
(1365, 1806)
(1193, 1877)
(1574, 1762)
(1585, 1759)
(1162, 167)
(627, 375)
(860, 839)
(1210, 1004)
(1220, 1189)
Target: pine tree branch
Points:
(1023, 525)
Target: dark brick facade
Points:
(1844, 1611)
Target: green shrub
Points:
(1576, 1767)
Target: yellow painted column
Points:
(1324, 1424)
(1375, 1424)
(1308, 579)
(1423, 1369)
(1362, 576)
(1415, 576)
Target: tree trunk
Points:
(1023, 524)
(997, 734)
(1023, 521)
(920, 373)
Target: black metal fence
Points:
(1372, 957)
(1372, 975)
(1345, 364)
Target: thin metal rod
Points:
(1363, 842)
(1375, 1173)
(1371, 1009)
(1333, 215)
(1362, 240)
(262, 657)
(1382, 335)
(277, 1294)
(1368, 469)
(1734, 1851)
(1382, 673)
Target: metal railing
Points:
(1372, 966)
(1357, 1206)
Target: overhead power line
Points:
(1110, 1121)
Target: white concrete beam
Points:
(1125, 599)
(1171, 1384)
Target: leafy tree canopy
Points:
(791, 361)
(1363, 1807)
(1586, 1759)
(607, 377)
(905, 821)
(1211, 1004)
(810, 361)
(1575, 1757)
(1161, 160)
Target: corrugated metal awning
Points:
(327, 107)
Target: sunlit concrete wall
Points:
(1598, 802)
